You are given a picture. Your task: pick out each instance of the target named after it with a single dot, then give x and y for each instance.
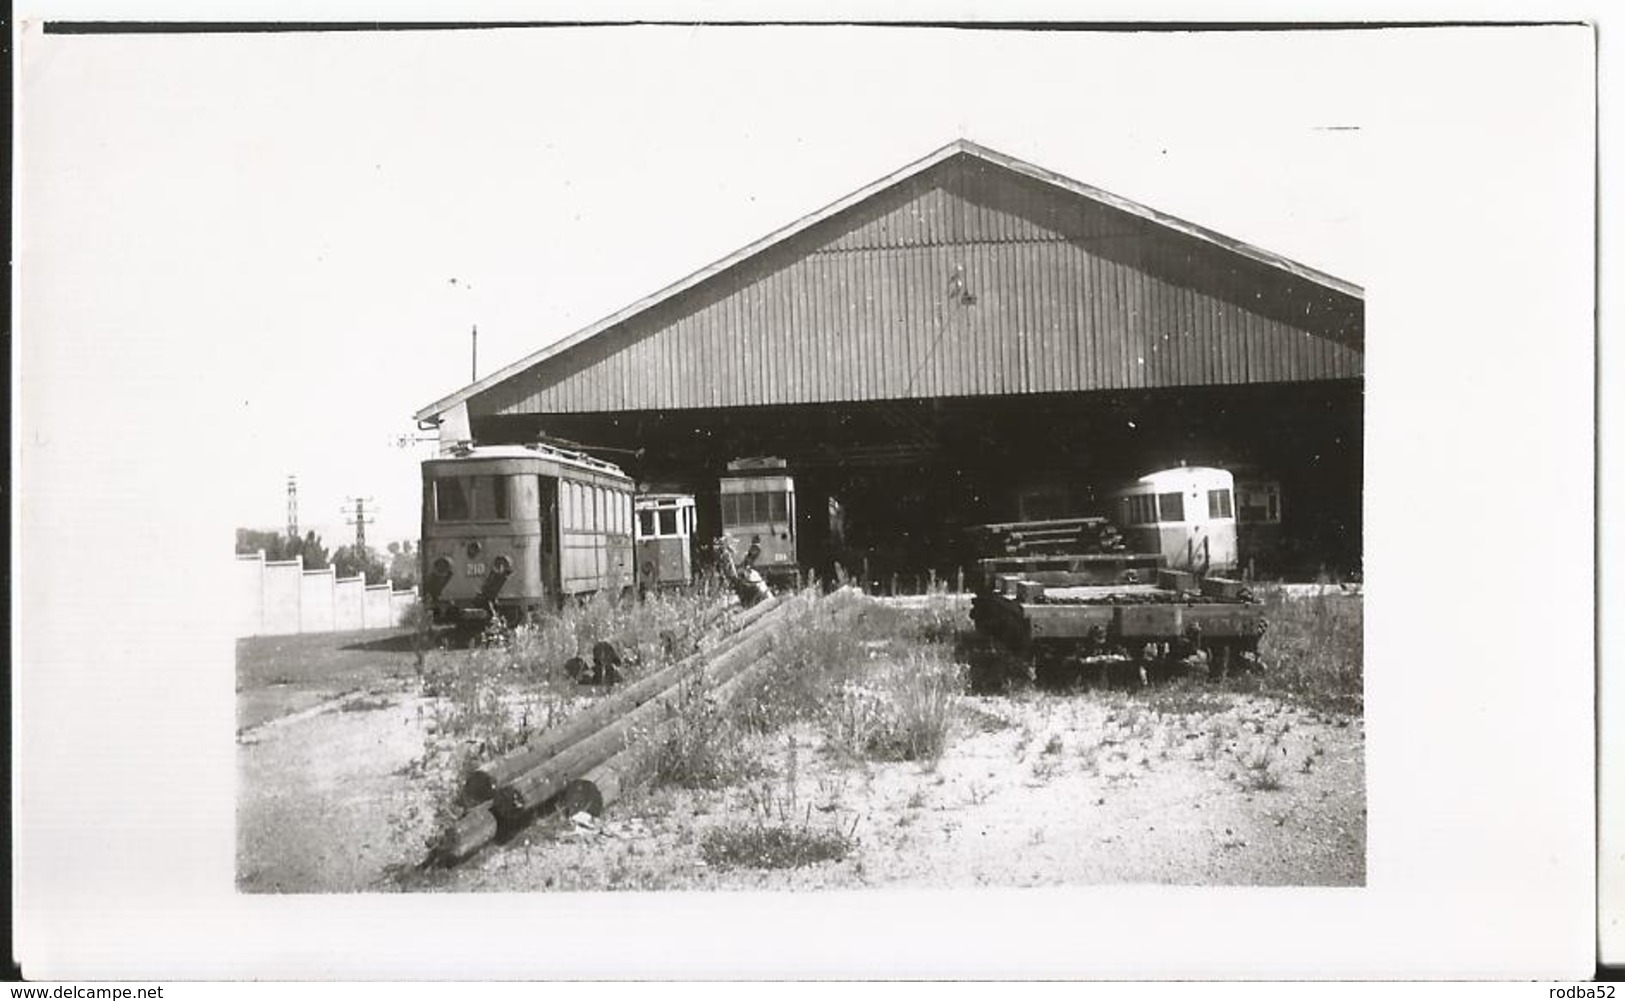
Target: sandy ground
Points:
(1178, 785)
(321, 790)
(1037, 790)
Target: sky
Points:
(305, 228)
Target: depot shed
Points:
(972, 338)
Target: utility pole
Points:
(360, 519)
(474, 362)
(293, 506)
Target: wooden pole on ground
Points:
(529, 792)
(483, 782)
(602, 785)
(471, 832)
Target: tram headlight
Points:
(439, 576)
(473, 549)
(502, 566)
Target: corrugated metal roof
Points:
(1021, 245)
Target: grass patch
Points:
(362, 704)
(1315, 650)
(705, 748)
(1260, 771)
(818, 649)
(772, 846)
(1185, 697)
(901, 711)
(492, 699)
(773, 838)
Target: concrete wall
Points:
(316, 602)
(375, 607)
(278, 598)
(249, 591)
(348, 598)
(401, 604)
(283, 592)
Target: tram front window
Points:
(471, 498)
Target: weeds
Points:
(1260, 773)
(704, 748)
(816, 652)
(490, 700)
(942, 618)
(1315, 649)
(776, 846)
(899, 712)
(774, 837)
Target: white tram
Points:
(1187, 514)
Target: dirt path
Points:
(321, 798)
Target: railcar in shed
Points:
(759, 518)
(1187, 514)
(511, 530)
(664, 538)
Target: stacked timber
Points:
(1073, 536)
(511, 790)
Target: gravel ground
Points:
(1037, 791)
(320, 792)
(1178, 785)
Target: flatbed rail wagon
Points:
(1070, 629)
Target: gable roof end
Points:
(955, 148)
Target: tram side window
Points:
(1140, 509)
(572, 506)
(1218, 504)
(1171, 507)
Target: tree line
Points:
(398, 564)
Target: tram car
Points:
(510, 530)
(663, 539)
(759, 518)
(1187, 515)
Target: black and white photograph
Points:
(978, 527)
(1052, 502)
(726, 468)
